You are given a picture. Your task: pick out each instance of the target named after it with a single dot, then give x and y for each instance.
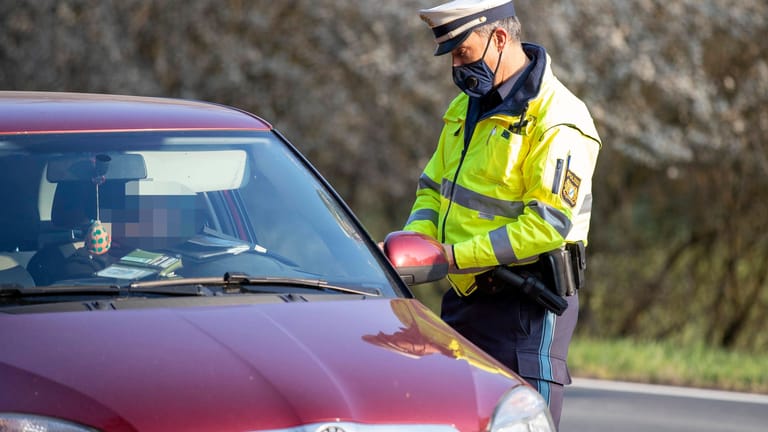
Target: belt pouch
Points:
(558, 264)
(578, 262)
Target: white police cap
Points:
(453, 22)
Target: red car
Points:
(170, 265)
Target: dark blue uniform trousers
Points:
(519, 333)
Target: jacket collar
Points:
(526, 88)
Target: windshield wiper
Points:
(17, 291)
(14, 291)
(242, 280)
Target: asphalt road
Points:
(606, 406)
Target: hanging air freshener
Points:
(97, 239)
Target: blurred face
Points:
(158, 219)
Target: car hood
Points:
(247, 367)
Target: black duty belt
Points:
(556, 275)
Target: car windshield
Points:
(122, 208)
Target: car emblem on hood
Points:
(331, 429)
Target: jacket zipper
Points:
(452, 191)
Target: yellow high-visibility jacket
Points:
(519, 185)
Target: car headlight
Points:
(11, 422)
(522, 409)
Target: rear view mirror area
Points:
(418, 258)
(113, 166)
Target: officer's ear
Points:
(500, 38)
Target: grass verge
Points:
(668, 363)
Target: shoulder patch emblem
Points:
(570, 193)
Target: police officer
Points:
(508, 187)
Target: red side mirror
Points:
(418, 258)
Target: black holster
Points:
(533, 288)
(556, 275)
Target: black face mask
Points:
(476, 78)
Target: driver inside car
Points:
(128, 222)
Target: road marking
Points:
(670, 391)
